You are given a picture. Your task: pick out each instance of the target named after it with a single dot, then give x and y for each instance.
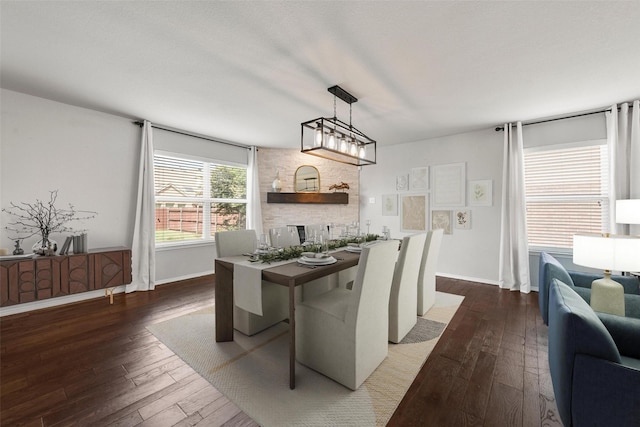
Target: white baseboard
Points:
(468, 279)
(186, 277)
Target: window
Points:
(194, 199)
(567, 192)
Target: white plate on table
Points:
(317, 261)
(354, 249)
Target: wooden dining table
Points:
(290, 274)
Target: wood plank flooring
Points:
(95, 364)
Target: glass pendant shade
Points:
(332, 140)
(343, 145)
(318, 137)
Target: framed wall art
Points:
(389, 205)
(414, 212)
(442, 219)
(419, 179)
(449, 185)
(402, 182)
(481, 192)
(462, 219)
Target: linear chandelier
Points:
(336, 140)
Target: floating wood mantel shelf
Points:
(322, 198)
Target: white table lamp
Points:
(618, 253)
(628, 211)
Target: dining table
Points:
(290, 274)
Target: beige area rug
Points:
(253, 372)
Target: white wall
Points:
(91, 158)
(467, 254)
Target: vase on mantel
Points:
(276, 186)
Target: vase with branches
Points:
(43, 218)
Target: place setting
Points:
(313, 259)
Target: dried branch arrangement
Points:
(43, 218)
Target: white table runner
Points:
(247, 284)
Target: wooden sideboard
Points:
(43, 277)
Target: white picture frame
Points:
(414, 211)
(402, 182)
(419, 179)
(389, 205)
(442, 219)
(481, 192)
(462, 219)
(449, 185)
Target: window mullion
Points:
(206, 203)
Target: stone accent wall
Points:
(287, 162)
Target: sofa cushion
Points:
(549, 269)
(625, 332)
(631, 301)
(631, 284)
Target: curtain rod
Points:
(195, 135)
(501, 128)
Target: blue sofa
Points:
(550, 268)
(594, 361)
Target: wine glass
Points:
(293, 230)
(263, 245)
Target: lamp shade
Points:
(618, 253)
(628, 211)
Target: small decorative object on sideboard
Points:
(43, 219)
(17, 250)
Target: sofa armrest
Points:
(625, 332)
(604, 393)
(630, 284)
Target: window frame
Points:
(602, 142)
(207, 239)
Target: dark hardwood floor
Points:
(96, 364)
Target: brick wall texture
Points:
(287, 161)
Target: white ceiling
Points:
(251, 72)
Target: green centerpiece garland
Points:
(296, 251)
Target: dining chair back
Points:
(316, 230)
(284, 237)
(427, 275)
(343, 333)
(275, 298)
(403, 300)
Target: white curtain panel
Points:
(514, 252)
(623, 140)
(143, 252)
(254, 210)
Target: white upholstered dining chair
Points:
(343, 333)
(275, 298)
(311, 230)
(427, 275)
(283, 237)
(403, 300)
